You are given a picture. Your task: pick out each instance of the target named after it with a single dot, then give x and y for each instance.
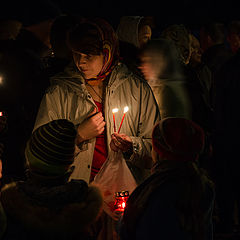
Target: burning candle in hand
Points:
(114, 121)
(124, 113)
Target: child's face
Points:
(89, 65)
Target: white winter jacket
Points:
(68, 98)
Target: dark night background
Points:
(189, 12)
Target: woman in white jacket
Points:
(87, 91)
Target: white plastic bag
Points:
(114, 176)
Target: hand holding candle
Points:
(124, 113)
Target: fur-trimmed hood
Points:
(36, 215)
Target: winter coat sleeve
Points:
(57, 104)
(141, 159)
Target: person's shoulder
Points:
(124, 71)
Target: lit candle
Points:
(120, 200)
(114, 121)
(1, 114)
(124, 113)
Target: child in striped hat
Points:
(47, 205)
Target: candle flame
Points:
(115, 110)
(1, 114)
(126, 109)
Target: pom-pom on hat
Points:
(178, 139)
(50, 149)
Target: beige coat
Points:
(68, 98)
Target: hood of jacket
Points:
(127, 30)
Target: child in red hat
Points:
(176, 201)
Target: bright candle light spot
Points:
(115, 110)
(126, 109)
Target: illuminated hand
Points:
(121, 142)
(91, 127)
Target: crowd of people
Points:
(61, 76)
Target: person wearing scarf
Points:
(86, 92)
(176, 201)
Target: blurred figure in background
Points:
(233, 39)
(161, 67)
(227, 145)
(62, 55)
(215, 50)
(201, 111)
(213, 43)
(133, 33)
(9, 28)
(202, 70)
(24, 80)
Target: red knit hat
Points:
(178, 139)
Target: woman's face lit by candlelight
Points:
(89, 65)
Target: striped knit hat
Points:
(50, 150)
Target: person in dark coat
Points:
(227, 145)
(176, 201)
(24, 80)
(215, 49)
(202, 112)
(47, 205)
(62, 55)
(180, 35)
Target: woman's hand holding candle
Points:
(121, 142)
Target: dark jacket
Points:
(227, 118)
(153, 210)
(23, 84)
(216, 56)
(202, 112)
(57, 212)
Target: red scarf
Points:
(110, 49)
